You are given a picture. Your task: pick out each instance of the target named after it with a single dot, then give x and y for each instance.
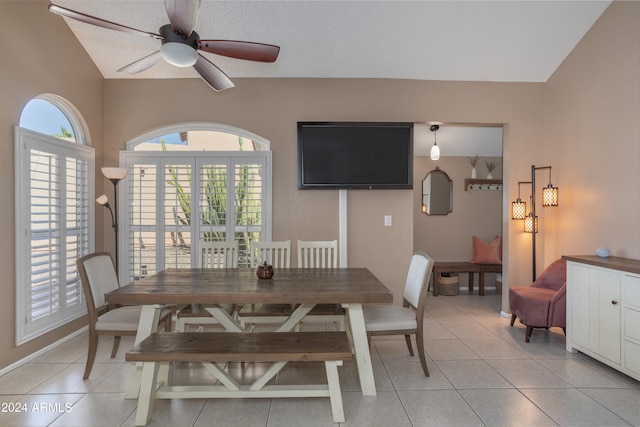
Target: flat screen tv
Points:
(355, 155)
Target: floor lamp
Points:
(518, 208)
(115, 175)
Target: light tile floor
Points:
(482, 373)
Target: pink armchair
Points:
(543, 304)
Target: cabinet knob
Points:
(614, 302)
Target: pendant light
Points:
(435, 150)
(519, 208)
(550, 193)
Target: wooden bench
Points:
(463, 267)
(279, 347)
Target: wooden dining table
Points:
(304, 288)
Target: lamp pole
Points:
(115, 175)
(115, 220)
(533, 208)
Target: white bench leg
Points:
(335, 394)
(180, 325)
(147, 395)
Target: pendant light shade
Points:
(531, 224)
(435, 150)
(435, 153)
(550, 195)
(518, 209)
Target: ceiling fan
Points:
(180, 43)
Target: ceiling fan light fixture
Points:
(179, 54)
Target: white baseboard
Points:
(40, 352)
(505, 315)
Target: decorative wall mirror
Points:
(437, 193)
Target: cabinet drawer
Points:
(632, 323)
(632, 356)
(631, 286)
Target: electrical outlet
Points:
(388, 221)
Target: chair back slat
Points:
(212, 254)
(277, 254)
(317, 254)
(419, 270)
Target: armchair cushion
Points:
(532, 305)
(543, 303)
(553, 277)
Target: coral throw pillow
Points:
(487, 253)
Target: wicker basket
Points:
(448, 285)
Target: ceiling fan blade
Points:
(88, 19)
(241, 50)
(142, 64)
(212, 74)
(183, 15)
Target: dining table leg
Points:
(224, 318)
(361, 349)
(148, 323)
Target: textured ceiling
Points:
(499, 41)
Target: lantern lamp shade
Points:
(529, 224)
(550, 196)
(518, 209)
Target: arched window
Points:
(191, 182)
(54, 221)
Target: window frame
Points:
(25, 139)
(195, 159)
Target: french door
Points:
(170, 201)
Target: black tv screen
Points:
(355, 155)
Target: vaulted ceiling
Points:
(497, 41)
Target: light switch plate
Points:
(388, 221)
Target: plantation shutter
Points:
(181, 198)
(177, 213)
(247, 207)
(54, 227)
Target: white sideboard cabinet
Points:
(603, 310)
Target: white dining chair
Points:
(321, 254)
(213, 254)
(277, 254)
(209, 254)
(408, 319)
(317, 254)
(98, 278)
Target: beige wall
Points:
(592, 99)
(271, 108)
(593, 137)
(39, 55)
(475, 213)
